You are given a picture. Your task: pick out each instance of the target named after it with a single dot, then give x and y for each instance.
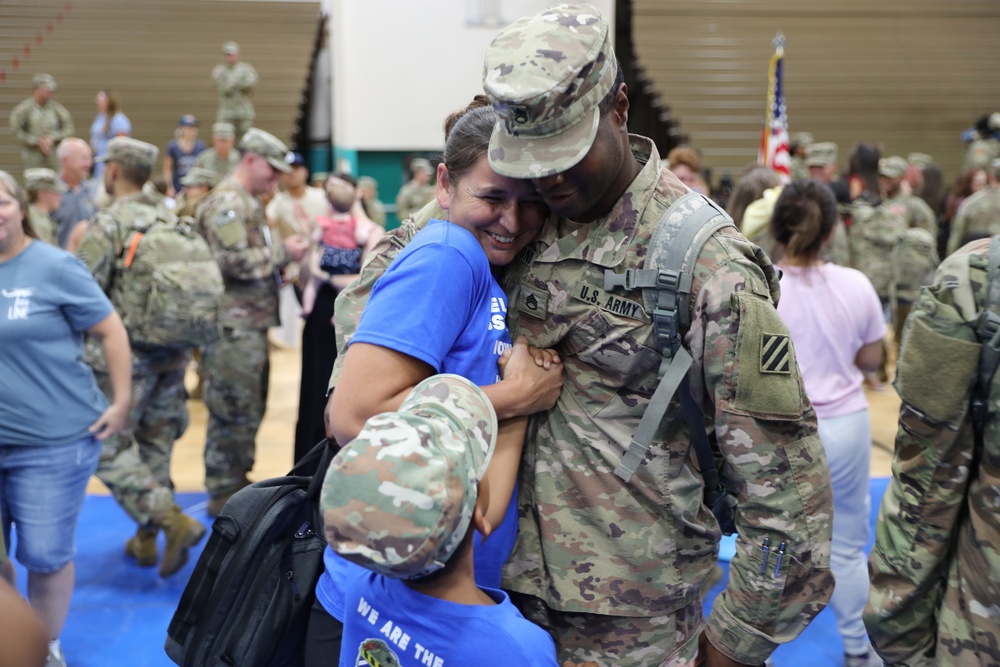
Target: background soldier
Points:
(368, 191)
(979, 215)
(934, 568)
(221, 158)
(235, 367)
(39, 123)
(235, 81)
(196, 185)
(138, 474)
(417, 191)
(44, 194)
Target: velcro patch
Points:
(775, 354)
(533, 301)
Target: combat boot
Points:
(182, 532)
(142, 547)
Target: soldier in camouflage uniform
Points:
(417, 191)
(374, 208)
(39, 123)
(235, 366)
(934, 568)
(614, 570)
(821, 165)
(979, 215)
(44, 195)
(235, 81)
(196, 184)
(138, 473)
(984, 147)
(799, 151)
(222, 158)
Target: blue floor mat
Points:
(120, 612)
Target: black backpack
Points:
(248, 601)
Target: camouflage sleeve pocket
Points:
(940, 391)
(766, 375)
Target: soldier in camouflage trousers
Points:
(235, 82)
(979, 215)
(39, 123)
(613, 570)
(935, 567)
(235, 367)
(138, 473)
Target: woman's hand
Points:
(112, 421)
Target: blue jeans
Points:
(42, 488)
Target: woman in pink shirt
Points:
(835, 318)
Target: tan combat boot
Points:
(142, 547)
(182, 532)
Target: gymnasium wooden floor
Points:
(275, 441)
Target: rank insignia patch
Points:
(775, 354)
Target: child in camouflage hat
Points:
(403, 500)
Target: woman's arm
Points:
(168, 174)
(114, 341)
(869, 356)
(374, 379)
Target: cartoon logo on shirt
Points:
(376, 653)
(22, 303)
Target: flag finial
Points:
(779, 41)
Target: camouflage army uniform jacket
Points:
(232, 221)
(235, 85)
(222, 166)
(935, 567)
(588, 541)
(412, 198)
(978, 215)
(913, 210)
(43, 224)
(102, 250)
(29, 122)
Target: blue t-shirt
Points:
(383, 614)
(120, 125)
(48, 299)
(439, 302)
(183, 161)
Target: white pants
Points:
(847, 440)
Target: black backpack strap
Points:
(668, 279)
(988, 332)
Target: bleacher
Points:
(158, 55)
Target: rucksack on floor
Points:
(168, 286)
(248, 601)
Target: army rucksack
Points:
(914, 259)
(666, 280)
(167, 286)
(988, 333)
(875, 231)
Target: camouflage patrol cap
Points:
(993, 122)
(421, 164)
(42, 180)
(546, 74)
(399, 498)
(267, 146)
(367, 181)
(43, 81)
(223, 130)
(892, 167)
(200, 176)
(821, 154)
(131, 153)
(802, 138)
(919, 159)
(230, 48)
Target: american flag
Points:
(774, 137)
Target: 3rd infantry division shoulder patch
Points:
(775, 354)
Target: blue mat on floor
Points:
(120, 612)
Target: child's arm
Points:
(502, 471)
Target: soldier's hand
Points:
(545, 357)
(112, 421)
(296, 246)
(45, 144)
(538, 386)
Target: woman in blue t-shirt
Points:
(52, 414)
(182, 153)
(438, 309)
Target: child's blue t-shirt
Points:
(383, 614)
(439, 302)
(48, 299)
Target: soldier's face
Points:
(504, 214)
(222, 145)
(231, 58)
(263, 177)
(584, 192)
